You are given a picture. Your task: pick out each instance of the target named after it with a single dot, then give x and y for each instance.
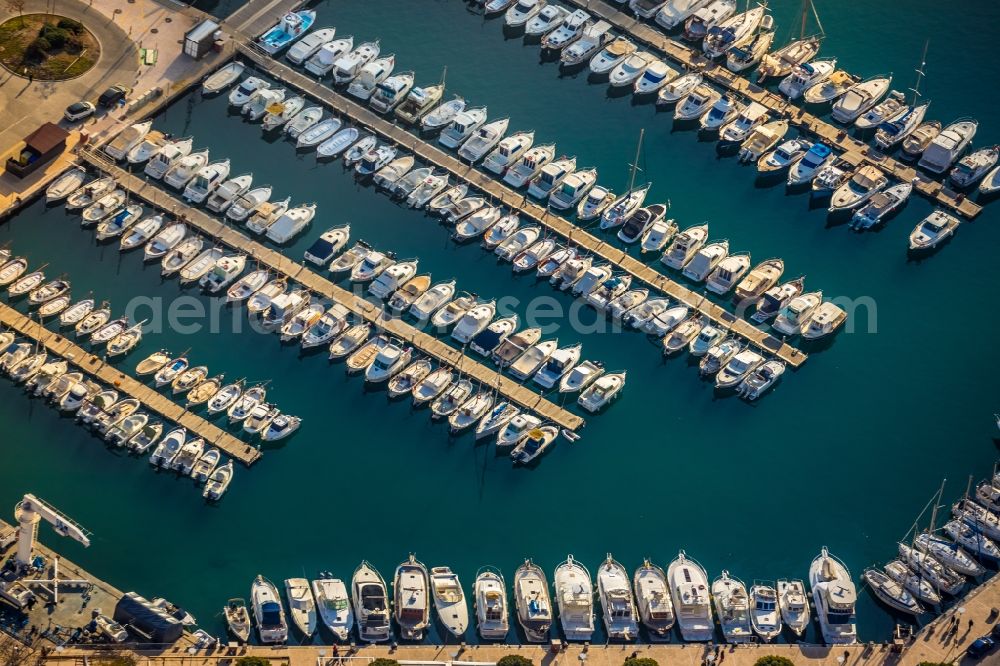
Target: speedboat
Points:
(698, 102)
(568, 32)
(602, 392)
(780, 160)
(533, 444)
(551, 177)
(528, 363)
(490, 593)
(804, 169)
(690, 594)
(765, 616)
(575, 597)
(611, 56)
(656, 75)
(168, 155)
(546, 20)
(347, 67)
(669, 14)
(917, 141)
(247, 88)
(795, 316)
(685, 246)
(287, 30)
(761, 140)
(279, 426)
(473, 322)
(442, 115)
(334, 605)
(866, 182)
(591, 207)
(592, 38)
(776, 298)
(483, 140)
(371, 604)
(682, 335)
(617, 602)
(732, 605)
(707, 17)
(859, 98)
(301, 605)
(453, 311)
(462, 126)
(304, 49)
(761, 380)
(389, 360)
(816, 82)
(639, 222)
(794, 605)
(517, 242)
(432, 300)
(128, 139)
(891, 593)
(223, 78)
(784, 60)
(991, 183)
(974, 166)
(580, 377)
(656, 610)
(322, 61)
(763, 276)
(746, 122)
(328, 245)
(572, 189)
(738, 367)
(627, 72)
(678, 89)
(533, 603)
(411, 587)
(557, 366)
(834, 596)
(268, 612)
(733, 31)
(948, 145)
(449, 601)
(181, 171)
(508, 151)
(880, 206)
(521, 12)
(484, 342)
(391, 92)
(530, 165)
(705, 260)
(418, 102)
(933, 230)
(892, 105)
(147, 148)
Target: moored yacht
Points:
(732, 605)
(834, 595)
(268, 612)
(491, 604)
(690, 594)
(765, 616)
(653, 595)
(411, 587)
(449, 601)
(371, 604)
(617, 603)
(794, 605)
(575, 597)
(533, 603)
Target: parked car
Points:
(112, 96)
(78, 111)
(980, 647)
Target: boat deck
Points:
(111, 376)
(854, 151)
(256, 16)
(502, 194)
(279, 263)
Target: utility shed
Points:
(200, 39)
(40, 147)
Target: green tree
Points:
(773, 660)
(514, 660)
(70, 25)
(641, 661)
(253, 661)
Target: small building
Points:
(145, 621)
(40, 148)
(201, 39)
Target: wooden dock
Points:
(527, 209)
(854, 151)
(279, 263)
(151, 400)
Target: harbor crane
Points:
(29, 512)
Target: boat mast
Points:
(920, 74)
(444, 75)
(802, 27)
(934, 508)
(635, 160)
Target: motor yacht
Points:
(859, 98)
(732, 605)
(834, 596)
(690, 595)
(602, 392)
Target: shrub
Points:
(37, 48)
(253, 661)
(641, 661)
(74, 44)
(70, 25)
(774, 660)
(382, 661)
(514, 660)
(56, 36)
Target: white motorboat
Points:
(411, 588)
(305, 47)
(611, 56)
(639, 222)
(432, 300)
(546, 20)
(449, 601)
(529, 165)
(763, 276)
(933, 230)
(784, 60)
(794, 605)
(707, 17)
(332, 323)
(859, 98)
(261, 101)
(741, 365)
(291, 223)
(484, 342)
(90, 192)
(328, 245)
(592, 206)
(453, 311)
(551, 176)
(678, 88)
(892, 105)
(247, 203)
(575, 598)
(732, 605)
(699, 102)
(430, 388)
(602, 392)
(753, 49)
(656, 610)
(404, 381)
(522, 11)
(617, 602)
(669, 14)
(130, 137)
(141, 232)
(533, 603)
(462, 126)
(834, 596)
(568, 32)
(990, 185)
(182, 170)
(485, 138)
(318, 133)
(268, 612)
(816, 82)
(371, 604)
(974, 166)
(229, 191)
(321, 62)
(279, 426)
(863, 185)
(776, 298)
(348, 66)
(533, 444)
(761, 380)
(303, 120)
(222, 78)
(490, 594)
(104, 207)
(528, 259)
(690, 594)
(705, 260)
(418, 102)
(761, 140)
(557, 366)
(517, 242)
(780, 160)
(280, 113)
(288, 29)
(473, 321)
(391, 92)
(796, 315)
(731, 32)
(746, 122)
(389, 361)
(243, 92)
(804, 169)
(628, 71)
(529, 362)
(880, 206)
(765, 616)
(685, 246)
(443, 114)
(66, 184)
(375, 159)
(301, 605)
(427, 190)
(592, 38)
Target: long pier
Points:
(279, 263)
(529, 210)
(853, 151)
(151, 400)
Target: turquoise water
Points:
(844, 453)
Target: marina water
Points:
(843, 453)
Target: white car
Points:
(78, 111)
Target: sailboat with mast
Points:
(892, 130)
(781, 62)
(628, 203)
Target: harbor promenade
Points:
(853, 151)
(518, 202)
(280, 264)
(151, 400)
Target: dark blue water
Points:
(844, 453)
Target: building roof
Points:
(46, 137)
